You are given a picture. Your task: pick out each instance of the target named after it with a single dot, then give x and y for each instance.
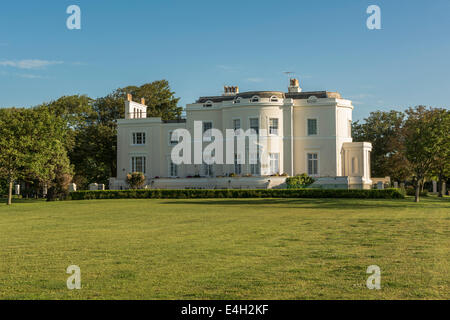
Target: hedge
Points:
(231, 193)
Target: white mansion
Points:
(308, 132)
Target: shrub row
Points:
(230, 193)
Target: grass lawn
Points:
(226, 249)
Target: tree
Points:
(78, 115)
(383, 130)
(441, 162)
(58, 183)
(421, 137)
(31, 146)
(94, 155)
(13, 141)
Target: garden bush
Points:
(299, 181)
(233, 193)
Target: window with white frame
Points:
(236, 124)
(208, 170)
(254, 99)
(237, 164)
(173, 169)
(138, 164)
(312, 127)
(173, 138)
(273, 126)
(313, 164)
(254, 124)
(207, 125)
(138, 138)
(255, 164)
(208, 104)
(273, 99)
(274, 162)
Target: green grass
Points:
(226, 249)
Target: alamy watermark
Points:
(73, 22)
(74, 281)
(189, 150)
(374, 280)
(374, 20)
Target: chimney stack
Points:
(143, 101)
(230, 90)
(129, 97)
(294, 85)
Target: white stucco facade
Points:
(308, 132)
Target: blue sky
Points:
(199, 46)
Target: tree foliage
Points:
(32, 147)
(383, 130)
(411, 145)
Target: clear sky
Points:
(199, 46)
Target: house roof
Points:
(268, 94)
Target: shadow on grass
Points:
(20, 200)
(318, 203)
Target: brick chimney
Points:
(294, 85)
(230, 90)
(143, 101)
(129, 97)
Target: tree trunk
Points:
(9, 201)
(417, 198)
(441, 187)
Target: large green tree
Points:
(79, 117)
(383, 130)
(31, 146)
(422, 135)
(440, 167)
(50, 163)
(13, 143)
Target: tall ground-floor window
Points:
(255, 168)
(237, 165)
(173, 169)
(208, 170)
(274, 160)
(138, 164)
(313, 164)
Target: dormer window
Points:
(208, 104)
(254, 99)
(273, 99)
(237, 100)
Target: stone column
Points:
(101, 187)
(72, 187)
